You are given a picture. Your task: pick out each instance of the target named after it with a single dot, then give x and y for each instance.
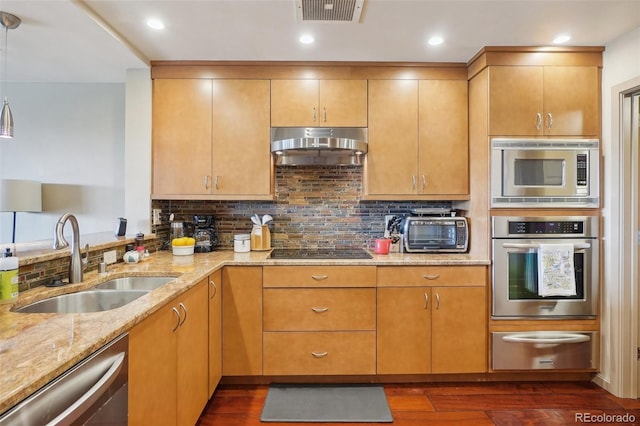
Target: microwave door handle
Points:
(537, 245)
(557, 339)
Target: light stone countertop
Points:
(36, 348)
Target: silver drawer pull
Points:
(319, 310)
(431, 277)
(319, 277)
(319, 354)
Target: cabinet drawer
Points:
(319, 309)
(432, 276)
(319, 276)
(312, 353)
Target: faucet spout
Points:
(77, 264)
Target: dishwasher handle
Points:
(74, 411)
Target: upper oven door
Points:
(547, 172)
(515, 280)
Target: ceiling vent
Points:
(329, 10)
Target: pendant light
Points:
(9, 22)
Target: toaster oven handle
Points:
(536, 245)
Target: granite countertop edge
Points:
(37, 348)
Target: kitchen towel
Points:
(556, 273)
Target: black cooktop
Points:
(351, 253)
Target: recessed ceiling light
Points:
(306, 39)
(156, 24)
(435, 40)
(562, 38)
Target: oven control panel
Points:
(546, 227)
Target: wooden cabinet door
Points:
(294, 103)
(572, 98)
(181, 133)
(241, 321)
(459, 330)
(241, 138)
(404, 330)
(343, 103)
(444, 144)
(515, 100)
(215, 330)
(391, 163)
(193, 354)
(152, 369)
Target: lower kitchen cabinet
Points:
(215, 330)
(168, 362)
(319, 353)
(431, 320)
(319, 320)
(242, 321)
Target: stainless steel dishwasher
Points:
(93, 392)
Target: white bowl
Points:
(182, 250)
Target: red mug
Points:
(382, 245)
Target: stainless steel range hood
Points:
(332, 146)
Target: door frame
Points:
(620, 298)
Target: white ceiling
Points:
(98, 40)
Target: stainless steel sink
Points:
(134, 283)
(84, 301)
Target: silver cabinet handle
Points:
(175, 311)
(426, 300)
(314, 114)
(413, 182)
(538, 121)
(319, 354)
(73, 412)
(184, 309)
(215, 289)
(319, 310)
(424, 182)
(324, 114)
(549, 120)
(206, 182)
(319, 277)
(217, 182)
(437, 301)
(431, 277)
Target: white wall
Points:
(71, 137)
(621, 70)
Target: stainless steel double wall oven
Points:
(557, 175)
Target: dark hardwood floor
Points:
(496, 403)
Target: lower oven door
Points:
(545, 350)
(515, 281)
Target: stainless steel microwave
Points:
(425, 234)
(545, 173)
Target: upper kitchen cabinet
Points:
(319, 103)
(220, 147)
(181, 134)
(549, 100)
(418, 143)
(541, 92)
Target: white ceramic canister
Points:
(242, 243)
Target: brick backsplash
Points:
(314, 207)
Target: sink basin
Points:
(134, 283)
(84, 301)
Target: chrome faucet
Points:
(76, 267)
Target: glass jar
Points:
(242, 243)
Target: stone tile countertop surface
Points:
(36, 348)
